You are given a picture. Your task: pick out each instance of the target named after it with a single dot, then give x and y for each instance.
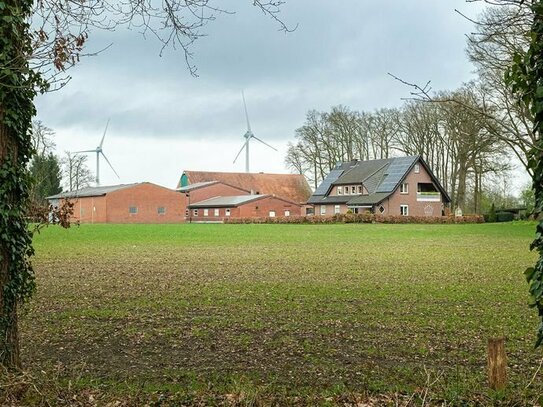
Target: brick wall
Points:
(147, 198)
(416, 207)
(255, 209)
(89, 210)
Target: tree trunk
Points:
(9, 335)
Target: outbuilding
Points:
(126, 203)
(242, 206)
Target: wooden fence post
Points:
(497, 363)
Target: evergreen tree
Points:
(46, 175)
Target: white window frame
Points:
(340, 190)
(187, 212)
(287, 213)
(353, 189)
(227, 212)
(337, 209)
(195, 212)
(216, 212)
(323, 210)
(271, 214)
(206, 212)
(360, 189)
(404, 188)
(346, 190)
(404, 210)
(417, 168)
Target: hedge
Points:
(360, 218)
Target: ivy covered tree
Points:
(526, 79)
(34, 59)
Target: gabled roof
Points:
(226, 201)
(92, 191)
(293, 187)
(380, 177)
(196, 185)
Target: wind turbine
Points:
(98, 150)
(248, 136)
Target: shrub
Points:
(504, 217)
(492, 214)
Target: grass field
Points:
(296, 310)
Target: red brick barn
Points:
(131, 203)
(243, 206)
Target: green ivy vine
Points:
(19, 85)
(526, 79)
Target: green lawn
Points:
(297, 310)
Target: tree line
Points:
(466, 135)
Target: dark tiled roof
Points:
(91, 191)
(322, 199)
(361, 171)
(371, 199)
(293, 187)
(226, 201)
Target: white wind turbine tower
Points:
(248, 136)
(98, 150)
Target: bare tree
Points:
(76, 173)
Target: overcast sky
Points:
(163, 120)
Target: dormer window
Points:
(353, 190)
(360, 190)
(346, 190)
(340, 190)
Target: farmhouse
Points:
(242, 206)
(127, 203)
(293, 187)
(393, 186)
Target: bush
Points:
(504, 217)
(492, 214)
(361, 218)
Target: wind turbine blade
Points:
(104, 136)
(263, 142)
(246, 114)
(244, 145)
(84, 151)
(111, 165)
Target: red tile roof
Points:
(293, 187)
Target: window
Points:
(161, 210)
(346, 190)
(336, 209)
(131, 210)
(323, 210)
(381, 209)
(216, 212)
(309, 211)
(271, 214)
(353, 190)
(187, 212)
(360, 190)
(417, 168)
(206, 212)
(195, 212)
(227, 212)
(404, 210)
(404, 188)
(340, 190)
(287, 213)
